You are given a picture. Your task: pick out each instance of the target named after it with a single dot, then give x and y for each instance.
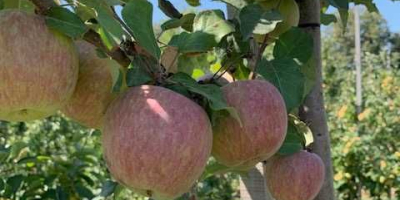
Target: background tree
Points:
(364, 145)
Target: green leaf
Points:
(4, 153)
(212, 22)
(14, 183)
(169, 9)
(138, 15)
(179, 89)
(343, 4)
(118, 76)
(239, 4)
(344, 15)
(137, 75)
(119, 191)
(16, 149)
(114, 2)
(83, 191)
(234, 43)
(295, 44)
(242, 72)
(193, 2)
(61, 194)
(108, 188)
(1, 7)
(294, 142)
(188, 63)
(285, 74)
(327, 19)
(2, 185)
(110, 24)
(186, 22)
(193, 42)
(254, 19)
(65, 21)
(211, 93)
(170, 24)
(213, 169)
(371, 6)
(106, 38)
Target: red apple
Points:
(93, 91)
(38, 67)
(295, 177)
(263, 126)
(156, 142)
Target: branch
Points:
(116, 54)
(91, 36)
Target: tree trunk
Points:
(313, 111)
(253, 187)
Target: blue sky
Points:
(390, 10)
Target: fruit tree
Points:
(205, 95)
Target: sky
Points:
(390, 10)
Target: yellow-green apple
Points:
(93, 91)
(289, 11)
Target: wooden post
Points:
(357, 60)
(313, 111)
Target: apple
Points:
(93, 92)
(38, 67)
(290, 14)
(262, 127)
(156, 142)
(295, 177)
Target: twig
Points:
(227, 66)
(216, 73)
(116, 54)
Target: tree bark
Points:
(252, 187)
(313, 111)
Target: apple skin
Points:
(290, 13)
(93, 92)
(38, 67)
(156, 142)
(299, 176)
(263, 115)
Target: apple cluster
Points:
(155, 141)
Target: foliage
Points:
(365, 146)
(50, 158)
(58, 159)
